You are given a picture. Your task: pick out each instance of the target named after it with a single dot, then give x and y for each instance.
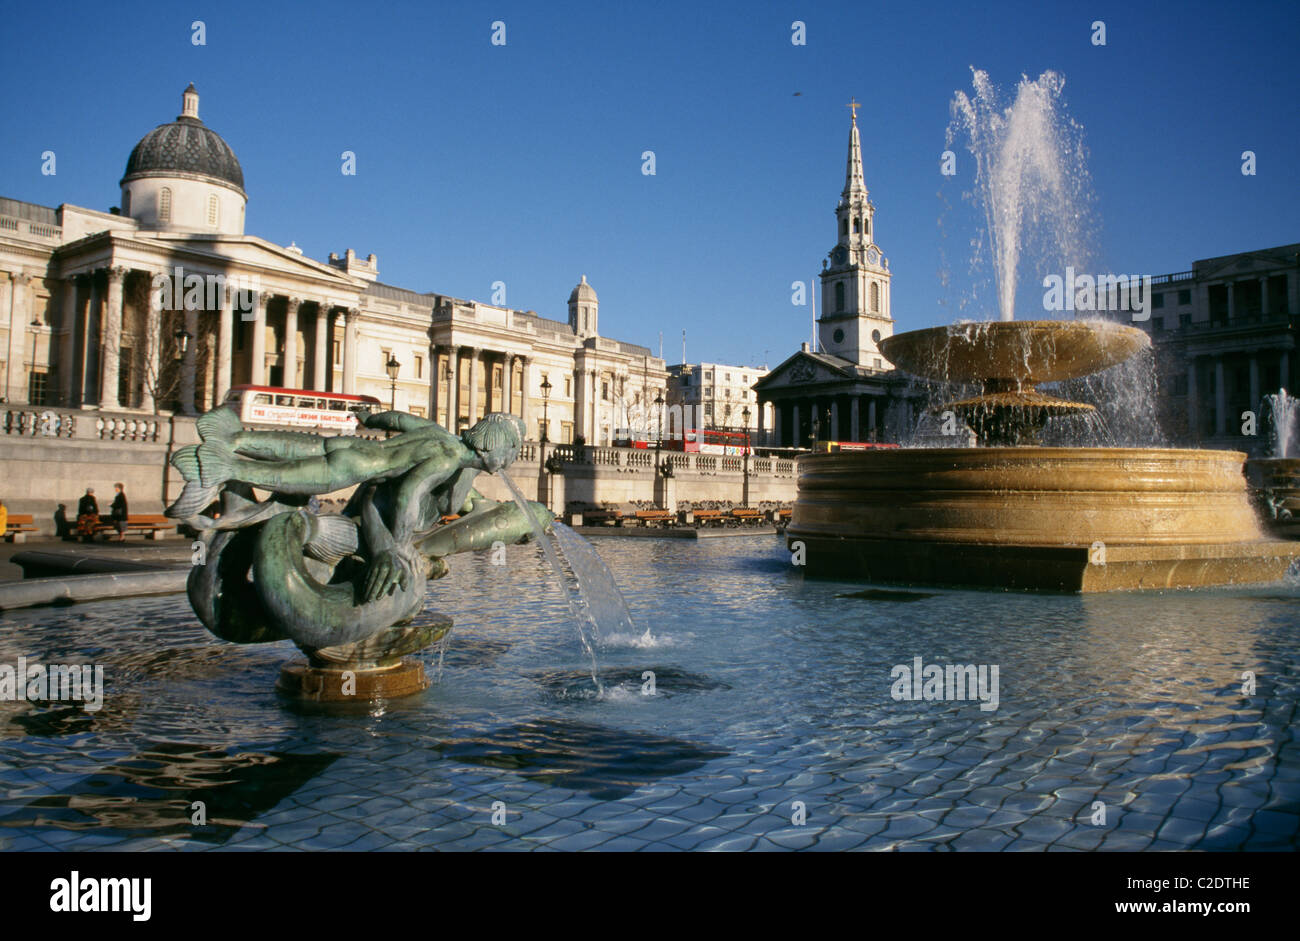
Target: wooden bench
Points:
(711, 517)
(603, 517)
(654, 517)
(150, 525)
(747, 514)
(18, 526)
(784, 515)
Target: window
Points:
(1184, 320)
(338, 405)
(384, 357)
(875, 296)
(709, 375)
(604, 391)
(728, 377)
(839, 297)
(36, 388)
(1157, 301)
(1184, 298)
(213, 210)
(857, 226)
(708, 411)
(875, 337)
(419, 367)
(566, 432)
(568, 387)
(261, 399)
(838, 335)
(165, 205)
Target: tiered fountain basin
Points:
(1072, 519)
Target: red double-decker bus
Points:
(710, 441)
(302, 408)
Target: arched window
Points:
(165, 205)
(839, 297)
(857, 226)
(866, 225)
(844, 227)
(875, 296)
(213, 208)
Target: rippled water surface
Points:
(770, 725)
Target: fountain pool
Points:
(769, 689)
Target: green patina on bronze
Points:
(340, 585)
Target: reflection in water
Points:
(606, 763)
(153, 792)
(665, 681)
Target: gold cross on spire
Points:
(855, 105)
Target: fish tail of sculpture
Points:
(216, 461)
(335, 539)
(220, 423)
(318, 615)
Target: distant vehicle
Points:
(300, 408)
(631, 438)
(709, 441)
(831, 447)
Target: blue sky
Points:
(522, 163)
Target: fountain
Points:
(1277, 478)
(347, 588)
(1010, 513)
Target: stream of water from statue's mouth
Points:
(580, 607)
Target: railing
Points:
(12, 224)
(1171, 278)
(126, 429)
(38, 422)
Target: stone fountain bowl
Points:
(1016, 351)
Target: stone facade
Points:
(1225, 336)
(162, 306)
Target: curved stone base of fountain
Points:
(1072, 519)
(368, 670)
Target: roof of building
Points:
(29, 211)
(185, 145)
(583, 291)
(393, 293)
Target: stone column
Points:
(1220, 399)
(257, 375)
(1232, 302)
(152, 352)
(835, 420)
(68, 341)
(1193, 404)
(474, 366)
(1263, 296)
(794, 427)
(90, 352)
(855, 419)
(289, 367)
(1254, 383)
(524, 363)
(435, 380)
(350, 317)
(225, 344)
(19, 319)
(111, 341)
(188, 361)
(320, 357)
(453, 387)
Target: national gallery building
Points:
(164, 303)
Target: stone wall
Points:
(50, 456)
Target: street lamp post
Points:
(659, 438)
(745, 415)
(393, 367)
(546, 412)
(31, 376)
(183, 338)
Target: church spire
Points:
(853, 182)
